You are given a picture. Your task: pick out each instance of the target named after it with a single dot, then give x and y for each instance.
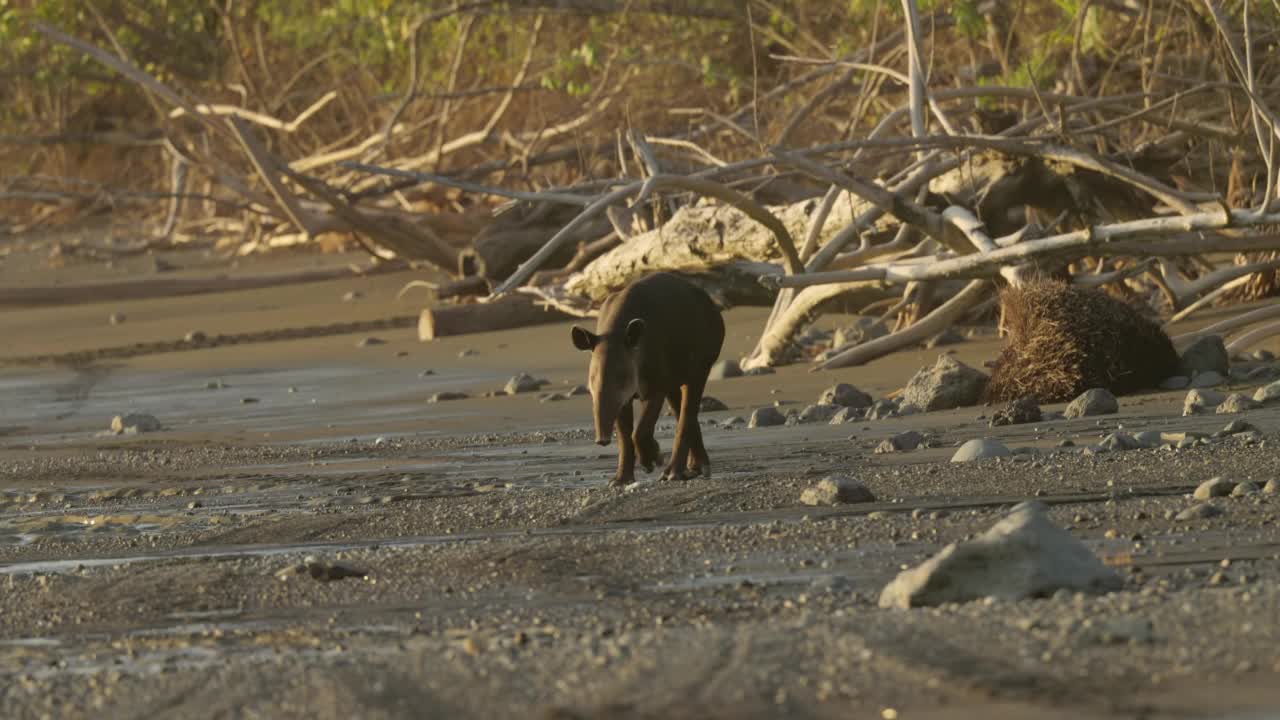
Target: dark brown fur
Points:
(655, 341)
(1063, 340)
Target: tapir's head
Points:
(614, 374)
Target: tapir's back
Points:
(683, 328)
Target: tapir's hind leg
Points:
(699, 463)
(647, 449)
(626, 449)
(690, 400)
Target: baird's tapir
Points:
(655, 341)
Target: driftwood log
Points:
(510, 311)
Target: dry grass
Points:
(1063, 340)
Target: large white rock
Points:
(1024, 555)
(947, 384)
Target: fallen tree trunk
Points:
(511, 311)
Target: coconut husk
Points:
(1063, 340)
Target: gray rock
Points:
(215, 385)
(1207, 379)
(1238, 426)
(320, 570)
(767, 416)
(845, 395)
(1236, 403)
(1199, 511)
(577, 390)
(724, 370)
(847, 415)
(1177, 382)
(553, 397)
(1098, 401)
(734, 421)
(1216, 487)
(948, 384)
(523, 383)
(1119, 442)
(1205, 354)
(1267, 393)
(1245, 488)
(902, 442)
(818, 413)
(1024, 555)
(710, 404)
(1121, 630)
(195, 336)
(837, 490)
(863, 330)
(882, 409)
(1198, 401)
(116, 318)
(1020, 411)
(755, 371)
(950, 336)
(1263, 355)
(1150, 438)
(468, 352)
(980, 449)
(1272, 487)
(446, 395)
(134, 423)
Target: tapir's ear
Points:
(584, 339)
(635, 331)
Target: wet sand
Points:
(494, 574)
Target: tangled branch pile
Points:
(915, 172)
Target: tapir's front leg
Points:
(626, 449)
(647, 449)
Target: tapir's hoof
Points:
(622, 480)
(674, 473)
(702, 471)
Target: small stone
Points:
(1024, 555)
(1206, 353)
(116, 318)
(446, 395)
(1245, 488)
(1200, 511)
(947, 384)
(1097, 401)
(134, 423)
(426, 373)
(845, 395)
(1272, 487)
(1020, 411)
(902, 442)
(248, 400)
(215, 385)
(194, 505)
(724, 370)
(1177, 382)
(578, 390)
(882, 409)
(352, 296)
(1119, 442)
(1263, 355)
(1066, 443)
(195, 336)
(764, 370)
(980, 449)
(1199, 400)
(1149, 438)
(553, 397)
(734, 421)
(1125, 630)
(818, 413)
(1238, 426)
(767, 416)
(370, 342)
(1267, 393)
(837, 490)
(1236, 403)
(1207, 379)
(710, 404)
(523, 383)
(468, 352)
(847, 415)
(1216, 487)
(950, 336)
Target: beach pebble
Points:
(980, 449)
(446, 395)
(845, 395)
(1198, 400)
(523, 383)
(133, 423)
(947, 384)
(1216, 487)
(1235, 403)
(1199, 511)
(767, 416)
(1096, 401)
(836, 490)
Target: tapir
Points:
(655, 341)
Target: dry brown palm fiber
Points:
(1063, 340)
